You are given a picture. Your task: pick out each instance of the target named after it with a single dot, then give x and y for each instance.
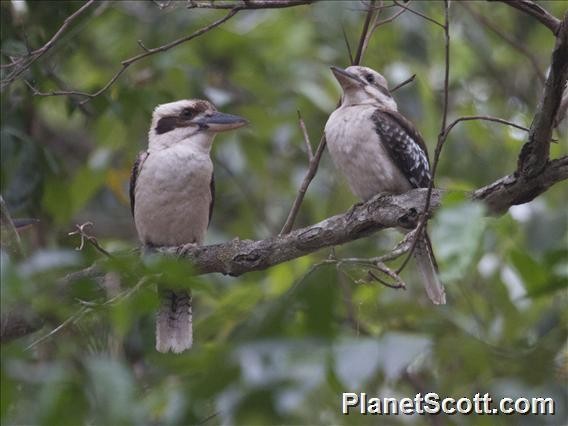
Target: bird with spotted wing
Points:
(379, 150)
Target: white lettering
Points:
(432, 401)
(349, 400)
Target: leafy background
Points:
(277, 346)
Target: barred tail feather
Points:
(174, 322)
(427, 266)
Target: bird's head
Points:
(363, 85)
(190, 120)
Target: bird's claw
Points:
(185, 249)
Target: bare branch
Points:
(562, 109)
(246, 4)
(312, 169)
(404, 83)
(85, 237)
(483, 118)
(10, 239)
(237, 257)
(509, 39)
(535, 153)
(22, 64)
(537, 12)
(306, 137)
(441, 136)
(518, 188)
(419, 14)
(147, 52)
(369, 23)
(347, 45)
(400, 284)
(389, 19)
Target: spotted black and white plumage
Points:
(172, 191)
(379, 150)
(405, 146)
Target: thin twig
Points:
(400, 284)
(346, 39)
(419, 14)
(345, 282)
(76, 316)
(484, 118)
(312, 169)
(404, 83)
(306, 137)
(10, 238)
(85, 237)
(246, 4)
(38, 53)
(369, 22)
(148, 52)
(441, 136)
(536, 11)
(389, 19)
(505, 36)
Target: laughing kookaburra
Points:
(171, 196)
(379, 150)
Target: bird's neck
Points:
(362, 98)
(199, 143)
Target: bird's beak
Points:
(345, 78)
(221, 122)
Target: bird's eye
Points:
(187, 113)
(370, 78)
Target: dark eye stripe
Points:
(165, 125)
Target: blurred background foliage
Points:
(277, 346)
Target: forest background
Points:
(279, 345)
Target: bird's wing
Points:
(405, 146)
(212, 203)
(134, 175)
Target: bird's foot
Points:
(185, 249)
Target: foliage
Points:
(277, 346)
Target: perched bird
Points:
(172, 192)
(379, 150)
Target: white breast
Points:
(173, 196)
(356, 150)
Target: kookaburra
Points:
(379, 150)
(171, 196)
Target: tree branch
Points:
(535, 153)
(147, 52)
(10, 239)
(442, 136)
(246, 4)
(508, 38)
(517, 188)
(23, 63)
(536, 11)
(237, 257)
